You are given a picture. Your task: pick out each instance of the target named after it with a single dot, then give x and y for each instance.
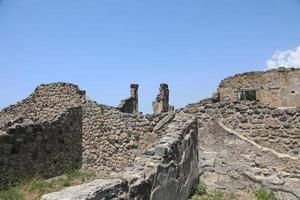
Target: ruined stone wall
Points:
(279, 87)
(110, 139)
(168, 170)
(272, 127)
(44, 148)
(43, 104)
(246, 145)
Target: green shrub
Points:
(201, 189)
(218, 196)
(264, 194)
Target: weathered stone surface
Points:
(100, 189)
(246, 156)
(164, 121)
(272, 123)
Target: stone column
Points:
(161, 104)
(134, 97)
(130, 105)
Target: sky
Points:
(104, 45)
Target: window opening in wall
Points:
(249, 95)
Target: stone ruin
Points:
(130, 105)
(279, 87)
(161, 104)
(235, 146)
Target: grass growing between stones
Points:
(34, 188)
(201, 193)
(264, 194)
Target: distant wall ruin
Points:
(278, 87)
(130, 105)
(161, 104)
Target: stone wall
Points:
(276, 128)
(43, 104)
(45, 148)
(241, 145)
(110, 139)
(166, 171)
(278, 87)
(246, 145)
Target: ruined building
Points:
(161, 104)
(279, 87)
(130, 105)
(237, 144)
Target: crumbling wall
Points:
(246, 145)
(130, 105)
(161, 104)
(167, 171)
(45, 148)
(43, 104)
(271, 127)
(277, 87)
(110, 139)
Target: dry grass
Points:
(34, 188)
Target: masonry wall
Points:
(277, 128)
(112, 139)
(280, 87)
(168, 171)
(244, 146)
(46, 148)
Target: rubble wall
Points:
(246, 145)
(278, 87)
(167, 171)
(45, 148)
(110, 139)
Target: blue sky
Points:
(104, 45)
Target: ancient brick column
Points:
(134, 97)
(161, 104)
(130, 105)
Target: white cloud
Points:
(288, 58)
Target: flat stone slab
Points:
(98, 189)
